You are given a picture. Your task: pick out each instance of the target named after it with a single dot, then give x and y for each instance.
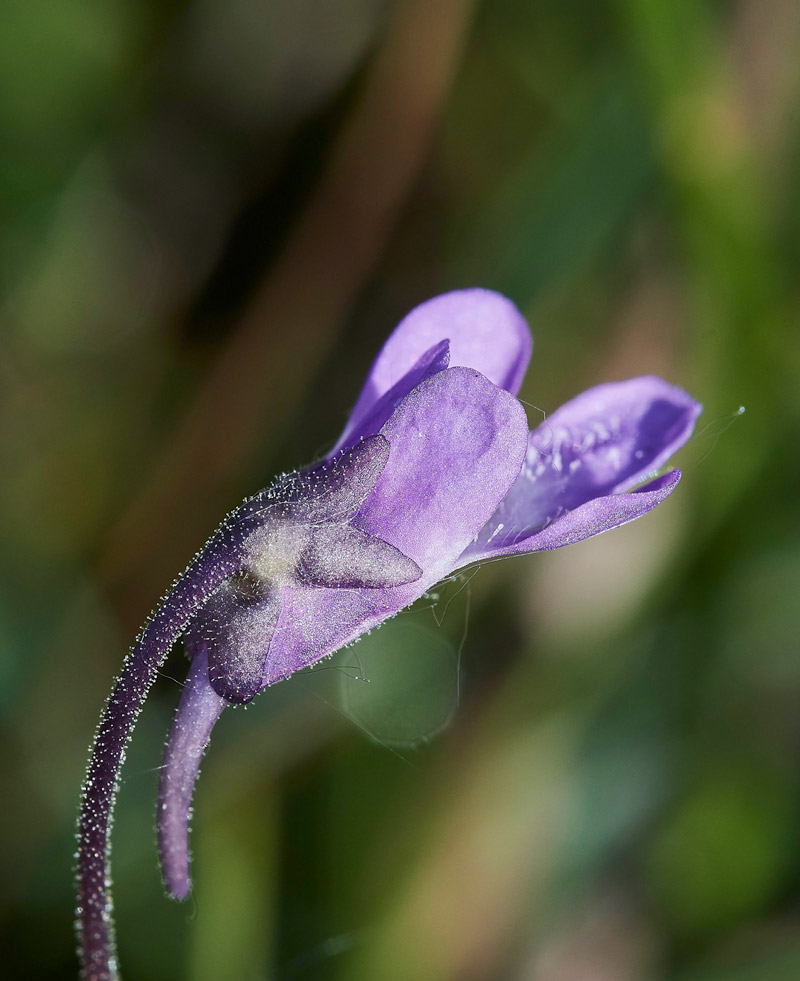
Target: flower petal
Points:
(457, 444)
(316, 621)
(369, 418)
(596, 516)
(198, 710)
(603, 442)
(485, 330)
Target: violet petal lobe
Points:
(457, 445)
(589, 519)
(317, 621)
(370, 417)
(198, 710)
(486, 331)
(603, 442)
(603, 514)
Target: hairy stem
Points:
(94, 913)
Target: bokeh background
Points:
(577, 766)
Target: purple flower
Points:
(434, 471)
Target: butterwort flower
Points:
(435, 471)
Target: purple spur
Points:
(435, 471)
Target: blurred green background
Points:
(576, 766)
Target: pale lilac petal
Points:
(605, 441)
(484, 329)
(198, 710)
(596, 516)
(632, 428)
(369, 417)
(317, 621)
(457, 444)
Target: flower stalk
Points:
(95, 908)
